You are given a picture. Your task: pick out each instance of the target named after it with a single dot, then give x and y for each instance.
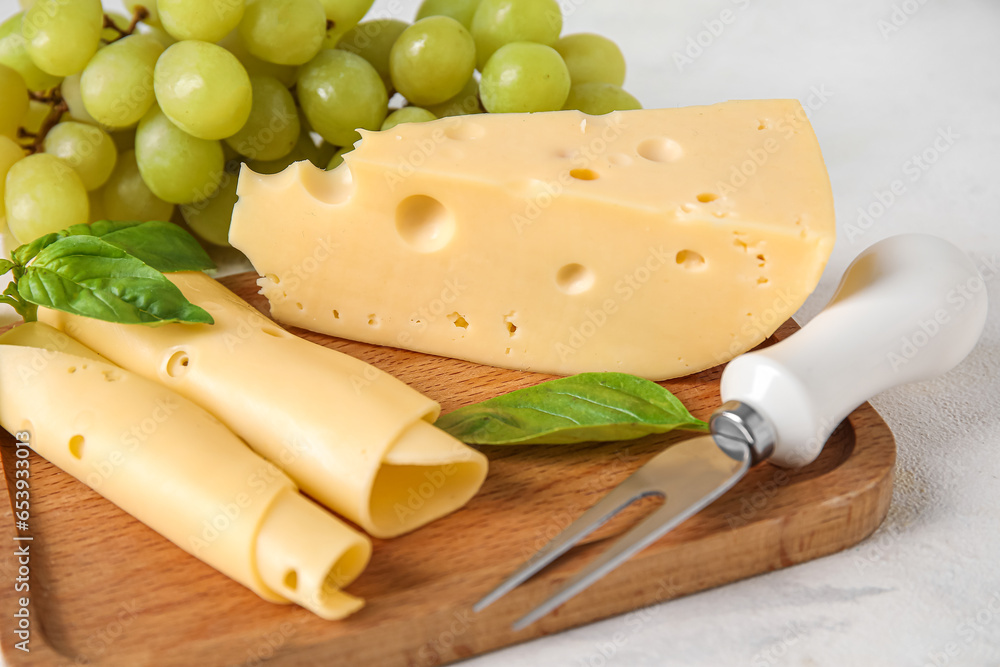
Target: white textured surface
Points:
(925, 589)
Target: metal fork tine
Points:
(698, 474)
(647, 531)
(623, 495)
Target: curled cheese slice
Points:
(176, 468)
(353, 437)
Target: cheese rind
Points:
(332, 422)
(176, 468)
(654, 242)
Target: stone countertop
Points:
(905, 99)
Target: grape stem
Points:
(140, 14)
(58, 108)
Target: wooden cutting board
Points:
(107, 590)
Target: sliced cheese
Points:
(176, 468)
(353, 437)
(656, 242)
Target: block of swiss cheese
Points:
(653, 242)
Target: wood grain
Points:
(106, 590)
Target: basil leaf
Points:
(25, 253)
(5, 266)
(162, 245)
(591, 407)
(87, 276)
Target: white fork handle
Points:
(908, 308)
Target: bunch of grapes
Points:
(150, 117)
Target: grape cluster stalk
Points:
(151, 116)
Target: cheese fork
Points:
(908, 308)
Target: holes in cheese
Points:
(508, 321)
(76, 446)
(424, 223)
(690, 260)
(291, 580)
(458, 321)
(330, 421)
(180, 472)
(177, 364)
(273, 331)
(699, 179)
(660, 149)
(575, 278)
(584, 174)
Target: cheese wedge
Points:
(353, 437)
(176, 468)
(654, 242)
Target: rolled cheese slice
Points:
(178, 469)
(656, 242)
(353, 437)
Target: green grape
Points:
(325, 153)
(152, 15)
(407, 115)
(117, 84)
(88, 149)
(339, 92)
(499, 22)
(304, 149)
(432, 59)
(73, 96)
(161, 36)
(10, 153)
(373, 40)
(121, 21)
(286, 32)
(177, 167)
(203, 89)
(592, 58)
(598, 98)
(14, 94)
(63, 36)
(466, 102)
(210, 219)
(197, 19)
(36, 115)
(127, 197)
(343, 15)
(26, 4)
(460, 10)
(43, 194)
(254, 65)
(338, 157)
(523, 77)
(14, 54)
(273, 126)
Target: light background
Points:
(885, 77)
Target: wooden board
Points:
(106, 590)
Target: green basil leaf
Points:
(25, 253)
(5, 266)
(591, 407)
(162, 245)
(87, 276)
